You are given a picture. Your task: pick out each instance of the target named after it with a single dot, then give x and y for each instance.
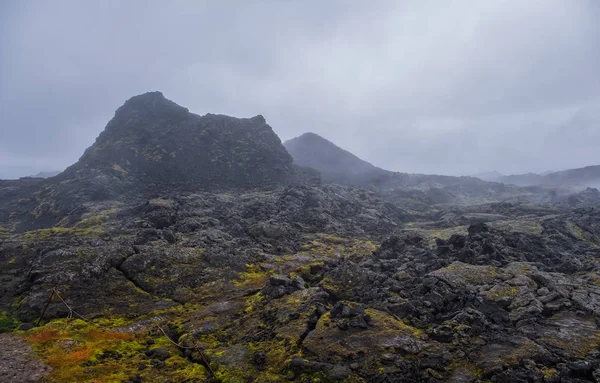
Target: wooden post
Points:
(46, 307)
(205, 361)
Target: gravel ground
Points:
(18, 363)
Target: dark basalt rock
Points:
(153, 147)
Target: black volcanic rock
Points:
(152, 143)
(153, 147)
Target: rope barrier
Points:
(172, 341)
(46, 307)
(195, 347)
(71, 311)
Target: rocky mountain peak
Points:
(153, 103)
(152, 142)
(153, 147)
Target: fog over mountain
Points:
(409, 86)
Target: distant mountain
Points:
(492, 176)
(588, 176)
(528, 179)
(46, 174)
(334, 163)
(337, 165)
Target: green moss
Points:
(4, 232)
(471, 274)
(253, 301)
(548, 372)
(526, 350)
(330, 246)
(308, 270)
(8, 322)
(252, 278)
(445, 233)
(576, 231)
(45, 234)
(502, 291)
(192, 372)
(461, 364)
(329, 238)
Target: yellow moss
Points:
(119, 169)
(330, 246)
(548, 372)
(252, 302)
(502, 291)
(192, 372)
(580, 234)
(574, 336)
(252, 278)
(276, 355)
(575, 230)
(445, 233)
(44, 234)
(474, 275)
(594, 279)
(525, 351)
(96, 219)
(331, 238)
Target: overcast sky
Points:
(449, 87)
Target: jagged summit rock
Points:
(154, 143)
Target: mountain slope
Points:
(334, 163)
(159, 143)
(340, 166)
(151, 147)
(492, 176)
(588, 176)
(46, 174)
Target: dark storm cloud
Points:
(408, 85)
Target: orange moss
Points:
(98, 335)
(46, 334)
(60, 358)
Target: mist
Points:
(409, 86)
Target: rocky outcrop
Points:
(154, 147)
(153, 143)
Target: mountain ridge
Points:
(153, 146)
(587, 176)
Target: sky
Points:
(419, 86)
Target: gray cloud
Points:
(412, 86)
